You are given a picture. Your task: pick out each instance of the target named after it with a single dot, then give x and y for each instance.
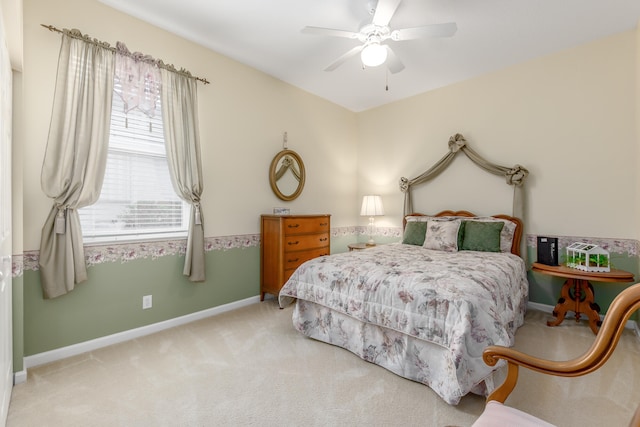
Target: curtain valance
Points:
(515, 175)
(139, 81)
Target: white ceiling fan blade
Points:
(384, 12)
(330, 32)
(344, 57)
(435, 30)
(393, 63)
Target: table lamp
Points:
(371, 207)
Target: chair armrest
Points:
(635, 422)
(608, 336)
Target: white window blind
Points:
(137, 199)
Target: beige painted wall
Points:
(243, 115)
(569, 118)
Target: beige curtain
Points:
(180, 121)
(75, 157)
(514, 176)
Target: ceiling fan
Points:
(374, 51)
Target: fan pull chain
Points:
(387, 80)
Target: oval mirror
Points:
(287, 175)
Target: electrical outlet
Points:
(147, 302)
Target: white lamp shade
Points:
(372, 206)
(373, 54)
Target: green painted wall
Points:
(110, 301)
(340, 244)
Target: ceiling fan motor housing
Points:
(372, 32)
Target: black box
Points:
(548, 250)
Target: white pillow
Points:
(442, 235)
(417, 218)
(425, 218)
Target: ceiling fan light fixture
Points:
(373, 54)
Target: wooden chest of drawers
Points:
(285, 243)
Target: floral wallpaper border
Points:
(627, 247)
(125, 252)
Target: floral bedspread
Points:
(461, 301)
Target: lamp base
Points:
(371, 242)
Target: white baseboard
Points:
(20, 377)
(83, 347)
(540, 307)
(631, 324)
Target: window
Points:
(137, 199)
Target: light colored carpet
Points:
(250, 367)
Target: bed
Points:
(425, 308)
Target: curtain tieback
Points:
(60, 224)
(198, 218)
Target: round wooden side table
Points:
(577, 293)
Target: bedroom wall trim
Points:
(129, 251)
(94, 344)
(20, 377)
(124, 252)
(629, 247)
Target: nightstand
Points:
(358, 246)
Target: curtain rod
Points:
(106, 45)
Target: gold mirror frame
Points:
(277, 170)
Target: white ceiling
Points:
(492, 34)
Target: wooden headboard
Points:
(517, 234)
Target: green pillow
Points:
(482, 236)
(461, 234)
(414, 233)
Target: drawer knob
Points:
(293, 260)
(294, 225)
(324, 224)
(293, 243)
(323, 239)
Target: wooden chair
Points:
(498, 414)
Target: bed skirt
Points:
(404, 355)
